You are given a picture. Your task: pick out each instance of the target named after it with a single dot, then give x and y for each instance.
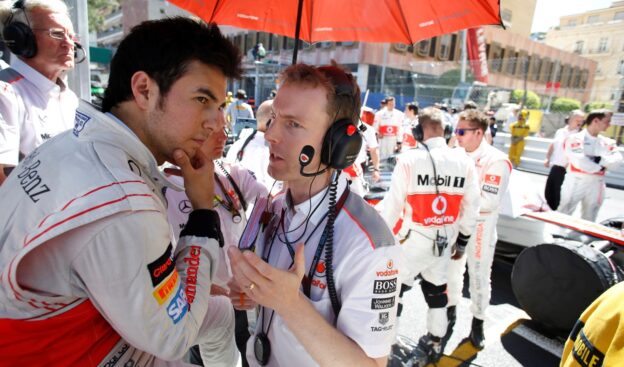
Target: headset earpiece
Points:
(18, 36)
(448, 132)
(418, 133)
(341, 144)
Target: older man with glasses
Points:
(35, 103)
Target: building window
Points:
(602, 46)
(620, 69)
(423, 47)
(593, 19)
(511, 58)
(619, 15)
(578, 47)
(571, 22)
(445, 47)
(495, 56)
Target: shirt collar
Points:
(321, 199)
(479, 151)
(435, 142)
(36, 78)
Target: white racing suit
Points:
(389, 126)
(354, 173)
(418, 211)
(91, 274)
(589, 157)
(493, 169)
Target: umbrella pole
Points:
(297, 30)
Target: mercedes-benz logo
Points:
(185, 206)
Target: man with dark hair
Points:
(332, 302)
(557, 160)
(433, 202)
(35, 102)
(409, 122)
(91, 271)
(389, 125)
(589, 155)
(493, 169)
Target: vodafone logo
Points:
(320, 269)
(390, 264)
(493, 179)
(439, 205)
(303, 158)
(390, 129)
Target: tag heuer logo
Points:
(384, 317)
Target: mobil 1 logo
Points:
(385, 286)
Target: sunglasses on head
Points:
(462, 132)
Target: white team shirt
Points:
(33, 109)
(364, 257)
(559, 157)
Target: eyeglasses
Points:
(59, 34)
(462, 132)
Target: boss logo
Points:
(385, 286)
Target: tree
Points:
(565, 105)
(97, 12)
(532, 101)
(596, 105)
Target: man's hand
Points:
(457, 252)
(239, 299)
(198, 174)
(268, 286)
(547, 163)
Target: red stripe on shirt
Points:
(361, 227)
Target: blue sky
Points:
(547, 12)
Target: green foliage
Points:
(532, 101)
(565, 105)
(596, 105)
(97, 12)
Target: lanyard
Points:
(306, 282)
(229, 206)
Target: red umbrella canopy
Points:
(398, 21)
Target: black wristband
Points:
(203, 223)
(462, 240)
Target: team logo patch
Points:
(80, 121)
(164, 291)
(384, 317)
(185, 206)
(382, 303)
(585, 353)
(439, 205)
(490, 189)
(178, 306)
(385, 286)
(389, 271)
(160, 268)
(492, 180)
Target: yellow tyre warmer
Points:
(554, 283)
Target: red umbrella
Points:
(398, 21)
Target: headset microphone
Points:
(305, 157)
(83, 57)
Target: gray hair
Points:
(577, 112)
(9, 12)
(431, 116)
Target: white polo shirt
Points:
(559, 157)
(33, 109)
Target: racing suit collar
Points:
(475, 154)
(109, 130)
(320, 199)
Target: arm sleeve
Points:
(369, 294)
(573, 147)
(611, 158)
(369, 138)
(251, 114)
(153, 293)
(391, 207)
(9, 125)
(494, 185)
(469, 207)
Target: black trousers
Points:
(241, 336)
(553, 186)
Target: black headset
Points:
(419, 135)
(18, 36)
(342, 141)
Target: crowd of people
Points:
(129, 238)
